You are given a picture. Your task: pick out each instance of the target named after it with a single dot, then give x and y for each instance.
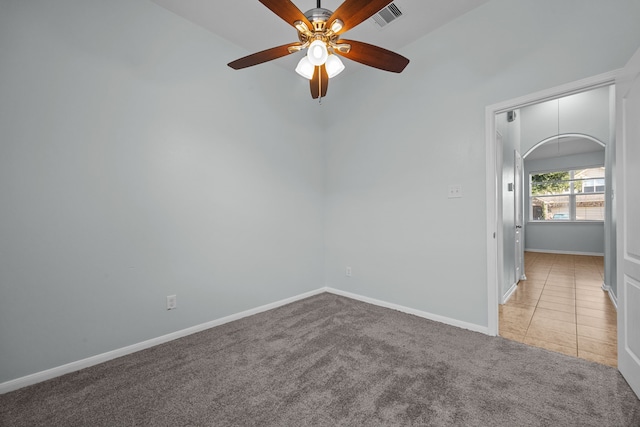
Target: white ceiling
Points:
(253, 27)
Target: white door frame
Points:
(499, 206)
(494, 217)
(519, 216)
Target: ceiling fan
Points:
(319, 32)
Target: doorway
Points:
(495, 220)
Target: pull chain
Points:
(319, 71)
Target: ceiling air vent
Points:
(387, 15)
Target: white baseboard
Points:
(510, 292)
(419, 313)
(612, 297)
(549, 251)
(37, 377)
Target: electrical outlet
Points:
(348, 272)
(455, 191)
(171, 302)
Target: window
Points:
(570, 195)
(593, 185)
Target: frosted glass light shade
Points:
(317, 53)
(305, 68)
(334, 66)
(336, 25)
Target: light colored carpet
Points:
(332, 361)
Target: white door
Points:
(519, 220)
(628, 230)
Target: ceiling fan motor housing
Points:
(318, 14)
(319, 18)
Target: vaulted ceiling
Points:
(253, 27)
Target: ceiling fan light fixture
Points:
(301, 27)
(317, 53)
(305, 68)
(334, 66)
(342, 47)
(336, 25)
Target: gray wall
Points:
(134, 164)
(573, 237)
(408, 137)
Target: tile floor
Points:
(562, 307)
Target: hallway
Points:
(562, 307)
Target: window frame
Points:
(572, 194)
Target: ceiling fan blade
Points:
(374, 56)
(353, 12)
(319, 83)
(262, 56)
(286, 10)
